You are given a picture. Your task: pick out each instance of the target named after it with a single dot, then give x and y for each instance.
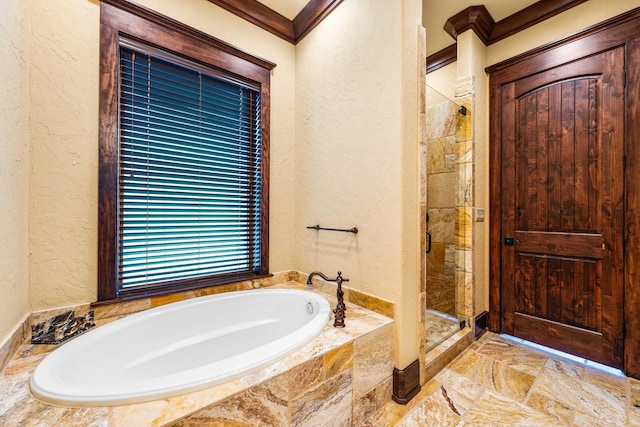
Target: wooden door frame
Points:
(623, 30)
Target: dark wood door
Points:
(562, 134)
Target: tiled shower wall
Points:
(441, 206)
(464, 193)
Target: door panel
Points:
(562, 202)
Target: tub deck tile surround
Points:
(104, 313)
(311, 393)
(373, 359)
(61, 328)
(371, 402)
(264, 405)
(330, 400)
(330, 387)
(370, 302)
(316, 395)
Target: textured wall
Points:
(348, 135)
(14, 164)
(64, 156)
(64, 131)
(352, 146)
(443, 80)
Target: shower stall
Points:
(445, 219)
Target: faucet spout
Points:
(317, 273)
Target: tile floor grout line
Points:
(559, 383)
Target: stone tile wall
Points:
(343, 387)
(442, 181)
(465, 201)
(61, 328)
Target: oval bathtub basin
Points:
(180, 347)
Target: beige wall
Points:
(64, 133)
(443, 80)
(64, 152)
(356, 149)
(343, 148)
(14, 164)
(348, 145)
(414, 58)
(352, 162)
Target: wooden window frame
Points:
(121, 19)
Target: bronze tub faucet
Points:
(340, 307)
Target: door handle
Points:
(510, 241)
(428, 241)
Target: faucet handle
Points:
(341, 278)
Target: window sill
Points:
(176, 288)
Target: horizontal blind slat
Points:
(190, 161)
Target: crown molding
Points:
(442, 58)
(260, 15)
(269, 20)
(478, 19)
(530, 16)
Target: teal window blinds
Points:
(189, 171)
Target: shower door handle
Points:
(428, 241)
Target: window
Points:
(183, 158)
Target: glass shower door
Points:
(442, 317)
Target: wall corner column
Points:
(472, 196)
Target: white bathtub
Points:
(179, 347)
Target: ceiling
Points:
(434, 14)
(287, 8)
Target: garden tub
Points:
(180, 347)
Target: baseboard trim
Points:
(481, 324)
(406, 383)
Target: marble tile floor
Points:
(438, 327)
(499, 382)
